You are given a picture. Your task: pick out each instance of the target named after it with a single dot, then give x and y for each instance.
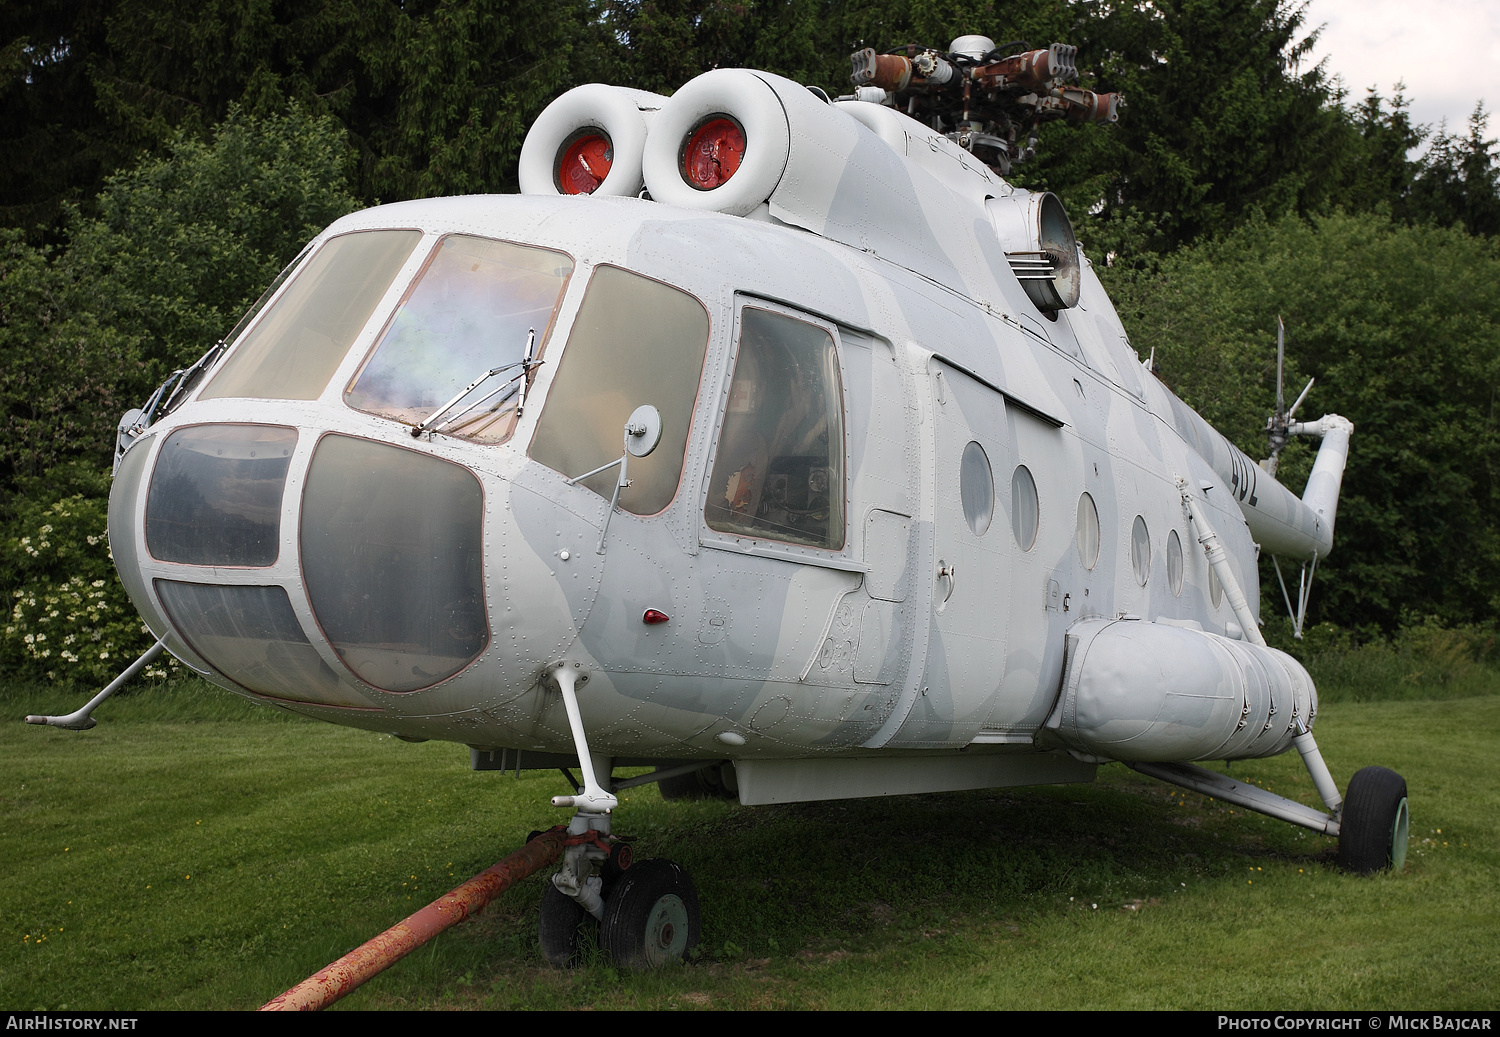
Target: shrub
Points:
(70, 619)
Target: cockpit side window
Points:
(636, 341)
(468, 312)
(293, 350)
(779, 468)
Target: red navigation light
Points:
(585, 163)
(652, 616)
(713, 152)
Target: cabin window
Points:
(301, 339)
(779, 466)
(391, 555)
(1088, 532)
(253, 634)
(635, 341)
(471, 310)
(976, 488)
(1140, 551)
(215, 495)
(1025, 510)
(1174, 563)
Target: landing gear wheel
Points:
(563, 923)
(652, 917)
(1375, 822)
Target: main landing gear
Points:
(1375, 822)
(1371, 821)
(644, 912)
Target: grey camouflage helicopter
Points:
(770, 440)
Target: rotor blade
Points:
(1280, 364)
(1306, 389)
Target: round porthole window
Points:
(1088, 532)
(976, 488)
(1140, 551)
(1023, 507)
(1174, 563)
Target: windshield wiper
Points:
(526, 365)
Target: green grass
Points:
(193, 851)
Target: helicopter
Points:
(770, 440)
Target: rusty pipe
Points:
(374, 956)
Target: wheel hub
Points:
(667, 930)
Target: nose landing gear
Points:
(645, 913)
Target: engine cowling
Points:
(720, 143)
(589, 141)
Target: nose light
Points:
(713, 153)
(654, 616)
(585, 163)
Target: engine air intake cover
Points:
(713, 152)
(584, 162)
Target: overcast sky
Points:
(1447, 53)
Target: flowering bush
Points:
(70, 619)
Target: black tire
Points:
(1375, 821)
(652, 918)
(703, 783)
(562, 927)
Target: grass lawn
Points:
(194, 851)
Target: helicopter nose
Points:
(302, 566)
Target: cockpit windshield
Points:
(293, 350)
(470, 310)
